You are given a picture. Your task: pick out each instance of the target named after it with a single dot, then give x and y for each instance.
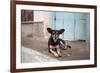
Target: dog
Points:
(55, 43)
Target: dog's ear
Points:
(61, 31)
(49, 30)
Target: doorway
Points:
(76, 25)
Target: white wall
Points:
(38, 16)
(5, 36)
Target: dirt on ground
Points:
(79, 49)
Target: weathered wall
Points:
(42, 20)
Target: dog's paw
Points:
(56, 55)
(63, 47)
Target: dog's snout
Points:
(55, 37)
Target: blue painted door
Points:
(75, 24)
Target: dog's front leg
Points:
(58, 51)
(53, 51)
(63, 45)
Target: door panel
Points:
(66, 21)
(52, 20)
(80, 26)
(69, 29)
(80, 30)
(68, 25)
(59, 20)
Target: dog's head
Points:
(55, 33)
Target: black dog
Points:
(55, 43)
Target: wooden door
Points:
(76, 25)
